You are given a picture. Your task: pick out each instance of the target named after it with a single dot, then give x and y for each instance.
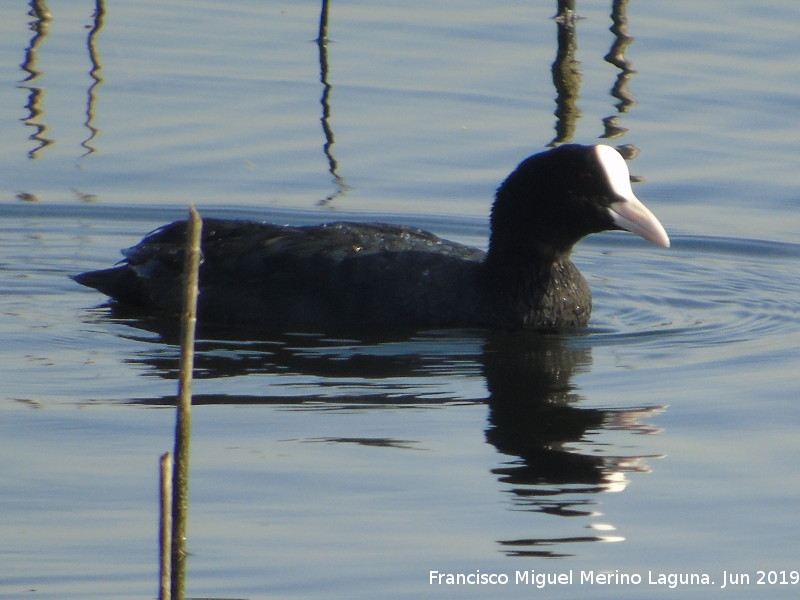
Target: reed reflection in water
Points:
(565, 69)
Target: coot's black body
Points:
(355, 276)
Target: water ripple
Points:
(704, 292)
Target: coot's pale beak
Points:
(631, 215)
(626, 210)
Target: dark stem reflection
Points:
(567, 76)
(616, 56)
(40, 27)
(327, 130)
(94, 73)
(36, 93)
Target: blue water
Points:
(662, 440)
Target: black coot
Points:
(353, 276)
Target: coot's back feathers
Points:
(351, 276)
(337, 276)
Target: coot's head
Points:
(555, 198)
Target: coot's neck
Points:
(527, 269)
(527, 276)
(544, 295)
(522, 238)
(534, 285)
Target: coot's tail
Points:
(120, 283)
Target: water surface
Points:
(661, 439)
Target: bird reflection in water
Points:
(538, 418)
(558, 457)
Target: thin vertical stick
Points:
(165, 528)
(180, 479)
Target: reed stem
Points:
(180, 477)
(165, 528)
